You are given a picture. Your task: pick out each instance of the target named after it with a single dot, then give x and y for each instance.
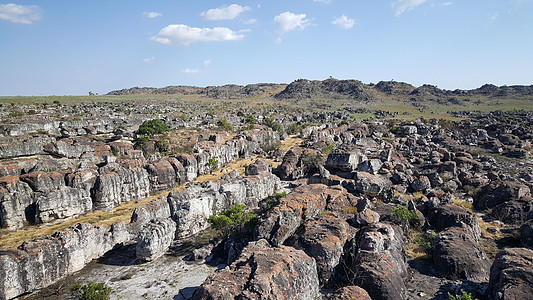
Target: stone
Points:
(457, 256)
(365, 217)
(349, 293)
(323, 239)
(499, 192)
(258, 167)
(449, 215)
(154, 239)
(345, 160)
(375, 261)
(303, 203)
(370, 166)
(370, 184)
(264, 272)
(511, 275)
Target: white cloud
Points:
(148, 60)
(447, 3)
(151, 14)
(323, 1)
(190, 71)
(288, 21)
(207, 62)
(494, 16)
(224, 12)
(179, 34)
(344, 22)
(402, 6)
(24, 14)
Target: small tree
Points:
(224, 125)
(234, 221)
(152, 127)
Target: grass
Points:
(98, 218)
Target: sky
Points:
(73, 47)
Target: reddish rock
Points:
(324, 239)
(264, 272)
(301, 204)
(349, 293)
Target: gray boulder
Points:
(511, 275)
(155, 238)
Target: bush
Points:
(224, 125)
(311, 161)
(426, 241)
(272, 123)
(403, 214)
(152, 127)
(234, 221)
(272, 201)
(250, 120)
(91, 291)
(464, 296)
(326, 150)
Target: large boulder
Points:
(155, 238)
(500, 192)
(511, 275)
(345, 160)
(449, 215)
(323, 239)
(303, 203)
(349, 293)
(457, 255)
(264, 272)
(375, 260)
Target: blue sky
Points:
(66, 47)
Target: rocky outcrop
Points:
(349, 293)
(155, 238)
(120, 183)
(323, 239)
(23, 147)
(511, 275)
(375, 260)
(303, 203)
(457, 255)
(41, 262)
(17, 205)
(264, 272)
(190, 207)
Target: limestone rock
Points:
(155, 238)
(349, 293)
(511, 275)
(324, 239)
(264, 272)
(301, 204)
(457, 255)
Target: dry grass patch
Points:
(291, 142)
(484, 230)
(414, 250)
(466, 204)
(122, 213)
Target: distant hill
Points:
(335, 89)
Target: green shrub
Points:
(272, 201)
(15, 114)
(326, 150)
(464, 296)
(126, 276)
(311, 161)
(250, 120)
(152, 127)
(212, 162)
(426, 241)
(248, 127)
(234, 221)
(91, 291)
(394, 129)
(403, 214)
(272, 123)
(224, 125)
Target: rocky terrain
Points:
(378, 208)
